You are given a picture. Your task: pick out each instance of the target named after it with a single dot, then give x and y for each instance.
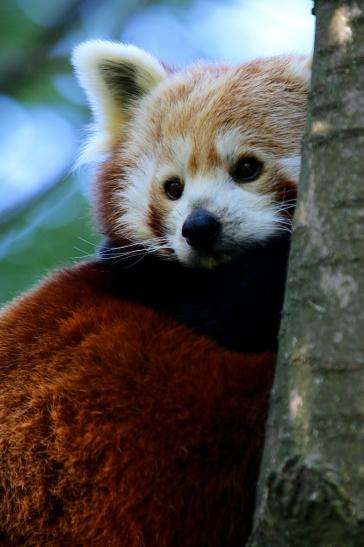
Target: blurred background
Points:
(45, 219)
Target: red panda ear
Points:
(114, 76)
(299, 68)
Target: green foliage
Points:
(53, 227)
(53, 231)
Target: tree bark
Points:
(311, 489)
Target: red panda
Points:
(134, 388)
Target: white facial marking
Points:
(134, 200)
(178, 154)
(291, 166)
(246, 216)
(181, 152)
(229, 143)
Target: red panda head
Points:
(199, 163)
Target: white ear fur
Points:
(301, 67)
(114, 76)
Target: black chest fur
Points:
(238, 304)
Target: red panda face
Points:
(201, 163)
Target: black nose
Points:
(201, 229)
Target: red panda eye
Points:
(246, 170)
(173, 188)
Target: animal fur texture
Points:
(134, 388)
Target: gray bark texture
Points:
(311, 488)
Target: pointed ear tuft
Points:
(114, 76)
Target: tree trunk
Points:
(311, 489)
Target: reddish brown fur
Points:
(157, 212)
(120, 427)
(108, 182)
